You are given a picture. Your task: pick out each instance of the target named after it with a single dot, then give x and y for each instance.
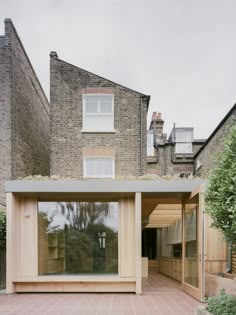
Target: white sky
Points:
(181, 52)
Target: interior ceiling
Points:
(161, 210)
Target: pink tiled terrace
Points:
(161, 296)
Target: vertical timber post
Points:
(10, 287)
(138, 253)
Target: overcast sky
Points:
(181, 52)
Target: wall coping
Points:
(92, 185)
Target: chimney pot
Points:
(159, 116)
(53, 54)
(154, 116)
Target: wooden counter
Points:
(171, 267)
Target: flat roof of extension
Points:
(101, 186)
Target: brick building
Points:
(98, 127)
(173, 156)
(98, 130)
(205, 159)
(24, 113)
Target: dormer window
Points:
(183, 141)
(98, 113)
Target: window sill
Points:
(97, 131)
(90, 178)
(75, 278)
(183, 155)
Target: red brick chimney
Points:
(157, 124)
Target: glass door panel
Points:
(191, 274)
(193, 244)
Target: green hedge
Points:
(221, 195)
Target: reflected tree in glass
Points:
(89, 232)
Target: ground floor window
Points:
(78, 237)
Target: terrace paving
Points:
(161, 296)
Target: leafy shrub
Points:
(2, 227)
(223, 304)
(221, 194)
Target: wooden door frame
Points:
(197, 293)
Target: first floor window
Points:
(78, 237)
(98, 113)
(99, 167)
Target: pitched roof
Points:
(54, 55)
(216, 129)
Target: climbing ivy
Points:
(221, 195)
(2, 228)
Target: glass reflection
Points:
(78, 237)
(191, 274)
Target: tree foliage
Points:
(2, 228)
(221, 194)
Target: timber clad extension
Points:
(85, 235)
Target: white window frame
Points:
(98, 157)
(87, 96)
(182, 142)
(150, 144)
(181, 152)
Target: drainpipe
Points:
(143, 100)
(165, 159)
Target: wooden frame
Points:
(138, 245)
(22, 241)
(22, 252)
(196, 292)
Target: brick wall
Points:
(24, 114)
(210, 152)
(5, 119)
(68, 142)
(167, 164)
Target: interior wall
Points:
(167, 250)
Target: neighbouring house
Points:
(24, 114)
(173, 156)
(206, 158)
(96, 227)
(24, 119)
